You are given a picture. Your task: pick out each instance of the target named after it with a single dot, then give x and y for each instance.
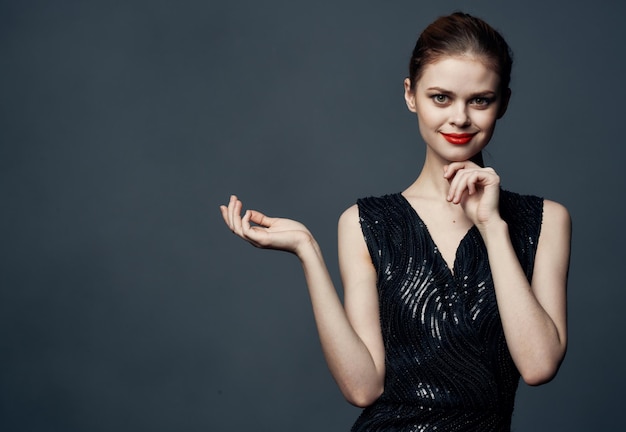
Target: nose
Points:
(459, 116)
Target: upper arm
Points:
(358, 276)
(549, 281)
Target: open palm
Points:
(264, 231)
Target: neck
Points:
(431, 182)
(478, 159)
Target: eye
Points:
(482, 102)
(440, 99)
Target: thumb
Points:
(259, 218)
(249, 232)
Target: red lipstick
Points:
(458, 139)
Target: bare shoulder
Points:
(350, 216)
(553, 250)
(349, 228)
(556, 216)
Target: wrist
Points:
(493, 230)
(307, 248)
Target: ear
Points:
(504, 104)
(409, 95)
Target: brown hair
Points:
(461, 34)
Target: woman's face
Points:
(457, 102)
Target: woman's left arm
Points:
(534, 315)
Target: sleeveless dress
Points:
(448, 367)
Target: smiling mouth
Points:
(458, 139)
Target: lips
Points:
(458, 139)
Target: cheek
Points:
(486, 119)
(431, 117)
(427, 124)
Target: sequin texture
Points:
(447, 364)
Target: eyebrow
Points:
(476, 94)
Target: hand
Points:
(268, 233)
(476, 189)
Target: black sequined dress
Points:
(448, 367)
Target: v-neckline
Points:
(451, 269)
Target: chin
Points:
(462, 157)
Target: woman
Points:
(454, 288)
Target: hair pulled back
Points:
(461, 34)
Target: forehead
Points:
(463, 74)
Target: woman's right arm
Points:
(350, 337)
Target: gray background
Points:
(127, 305)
